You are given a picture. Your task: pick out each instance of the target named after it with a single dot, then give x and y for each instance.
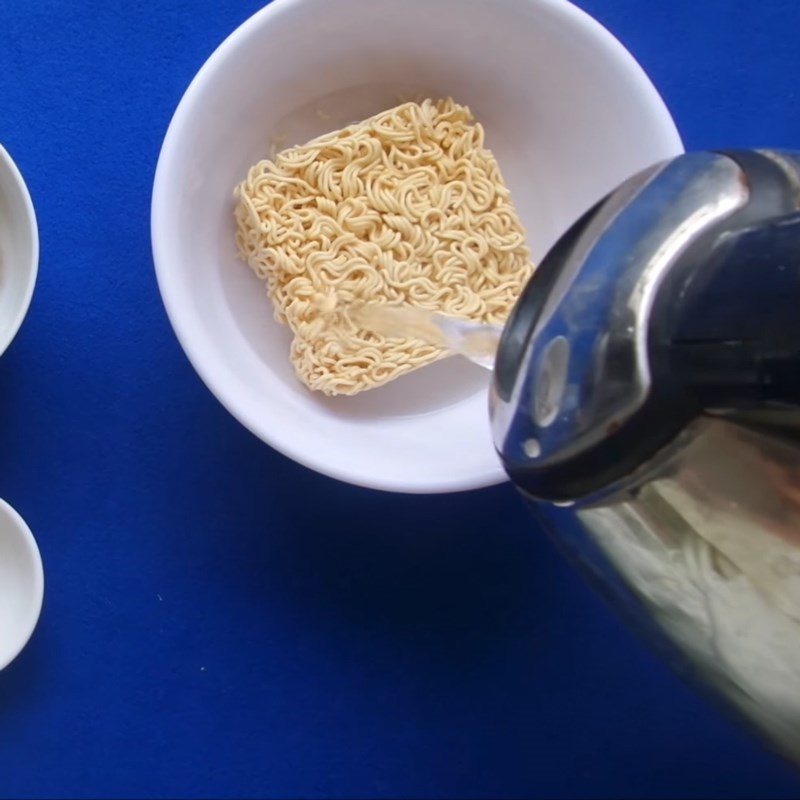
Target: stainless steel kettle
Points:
(646, 400)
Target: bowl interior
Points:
(19, 249)
(567, 112)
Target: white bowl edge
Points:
(33, 267)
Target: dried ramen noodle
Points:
(407, 207)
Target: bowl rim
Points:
(32, 267)
(32, 549)
(648, 95)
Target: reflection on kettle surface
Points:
(711, 550)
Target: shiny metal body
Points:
(697, 544)
(703, 557)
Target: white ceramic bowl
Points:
(567, 111)
(21, 584)
(19, 249)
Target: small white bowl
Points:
(567, 110)
(19, 249)
(21, 584)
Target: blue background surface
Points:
(203, 633)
